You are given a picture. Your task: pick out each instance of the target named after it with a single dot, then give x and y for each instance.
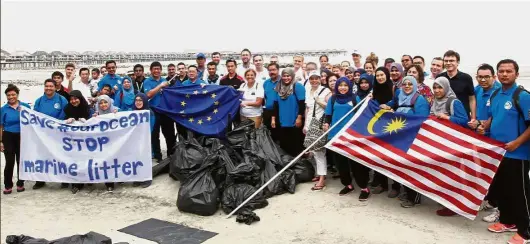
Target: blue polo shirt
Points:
(112, 80)
(10, 117)
(482, 100)
(506, 123)
(270, 93)
(189, 83)
(337, 111)
(289, 107)
(53, 107)
(149, 84)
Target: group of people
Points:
(298, 104)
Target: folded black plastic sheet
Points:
(164, 232)
(88, 238)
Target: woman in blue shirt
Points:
(289, 106)
(10, 137)
(141, 102)
(338, 107)
(124, 98)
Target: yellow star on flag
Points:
(216, 103)
(187, 95)
(215, 111)
(209, 118)
(204, 92)
(183, 103)
(196, 92)
(200, 122)
(213, 95)
(191, 120)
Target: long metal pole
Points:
(295, 159)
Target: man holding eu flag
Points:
(154, 86)
(193, 77)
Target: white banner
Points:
(108, 148)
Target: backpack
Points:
(515, 100)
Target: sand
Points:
(303, 217)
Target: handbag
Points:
(315, 131)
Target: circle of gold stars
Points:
(204, 119)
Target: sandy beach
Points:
(303, 217)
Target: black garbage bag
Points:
(238, 137)
(268, 147)
(188, 157)
(88, 238)
(23, 239)
(162, 167)
(288, 178)
(198, 194)
(236, 194)
(245, 172)
(304, 170)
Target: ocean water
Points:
(33, 87)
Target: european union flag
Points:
(203, 109)
(397, 129)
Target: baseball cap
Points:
(314, 73)
(355, 51)
(201, 55)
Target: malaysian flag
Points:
(452, 165)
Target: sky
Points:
(479, 31)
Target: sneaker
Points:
(518, 239)
(493, 217)
(393, 193)
(378, 190)
(408, 204)
(8, 191)
(75, 190)
(110, 189)
(346, 190)
(64, 185)
(445, 212)
(365, 193)
(39, 185)
(146, 184)
(20, 188)
(501, 228)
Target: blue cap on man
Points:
(200, 55)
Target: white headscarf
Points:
(109, 100)
(439, 104)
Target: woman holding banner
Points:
(141, 102)
(77, 110)
(10, 137)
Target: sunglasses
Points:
(407, 84)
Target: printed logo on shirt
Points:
(56, 105)
(508, 105)
(119, 82)
(488, 103)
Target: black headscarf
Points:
(362, 93)
(383, 93)
(81, 111)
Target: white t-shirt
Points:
(65, 81)
(299, 76)
(241, 69)
(310, 101)
(262, 76)
(250, 95)
(83, 88)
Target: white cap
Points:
(314, 73)
(355, 51)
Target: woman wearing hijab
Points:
(104, 106)
(364, 87)
(349, 73)
(357, 75)
(383, 92)
(407, 99)
(446, 106)
(141, 102)
(76, 110)
(289, 106)
(124, 98)
(396, 75)
(342, 102)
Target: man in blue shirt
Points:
(508, 124)
(270, 93)
(51, 104)
(201, 64)
(110, 78)
(193, 77)
(154, 86)
(487, 84)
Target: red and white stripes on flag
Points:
(447, 163)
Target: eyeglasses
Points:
(407, 84)
(486, 77)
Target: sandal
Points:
(317, 178)
(318, 188)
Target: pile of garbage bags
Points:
(88, 238)
(217, 172)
